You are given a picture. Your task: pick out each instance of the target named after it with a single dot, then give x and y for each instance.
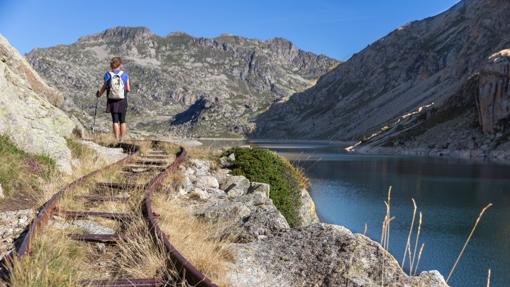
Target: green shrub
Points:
(263, 165)
(22, 172)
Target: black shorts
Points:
(119, 118)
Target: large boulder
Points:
(26, 116)
(493, 100)
(320, 255)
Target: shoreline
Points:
(500, 157)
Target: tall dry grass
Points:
(193, 238)
(414, 255)
(54, 262)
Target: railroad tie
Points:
(138, 168)
(107, 215)
(96, 238)
(149, 282)
(103, 198)
(108, 187)
(154, 156)
(152, 162)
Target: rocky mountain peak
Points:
(120, 34)
(213, 80)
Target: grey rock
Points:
(2, 195)
(26, 116)
(261, 187)
(225, 162)
(244, 218)
(307, 213)
(12, 224)
(318, 254)
(207, 181)
(236, 185)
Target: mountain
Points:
(417, 87)
(27, 115)
(181, 84)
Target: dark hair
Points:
(115, 63)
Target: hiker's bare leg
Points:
(116, 130)
(123, 128)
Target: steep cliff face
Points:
(422, 63)
(473, 123)
(26, 115)
(493, 101)
(233, 77)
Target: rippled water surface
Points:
(350, 190)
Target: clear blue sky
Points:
(337, 28)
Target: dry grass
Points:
(467, 240)
(54, 262)
(139, 257)
(192, 238)
(104, 139)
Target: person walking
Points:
(116, 84)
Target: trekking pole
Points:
(95, 113)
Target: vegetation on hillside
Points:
(23, 172)
(262, 165)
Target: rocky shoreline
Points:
(267, 252)
(474, 155)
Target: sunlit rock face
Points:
(26, 115)
(494, 94)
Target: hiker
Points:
(116, 83)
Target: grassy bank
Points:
(23, 174)
(262, 165)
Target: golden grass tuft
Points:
(192, 237)
(467, 240)
(54, 262)
(139, 257)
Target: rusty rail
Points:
(175, 259)
(51, 205)
(185, 269)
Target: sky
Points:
(336, 28)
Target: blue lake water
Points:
(350, 190)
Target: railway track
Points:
(137, 179)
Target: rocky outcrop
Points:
(182, 84)
(26, 116)
(18, 63)
(321, 255)
(422, 63)
(493, 101)
(267, 252)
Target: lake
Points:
(350, 190)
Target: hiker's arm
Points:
(128, 86)
(101, 91)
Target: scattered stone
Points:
(12, 224)
(2, 195)
(207, 182)
(261, 187)
(236, 185)
(198, 193)
(228, 161)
